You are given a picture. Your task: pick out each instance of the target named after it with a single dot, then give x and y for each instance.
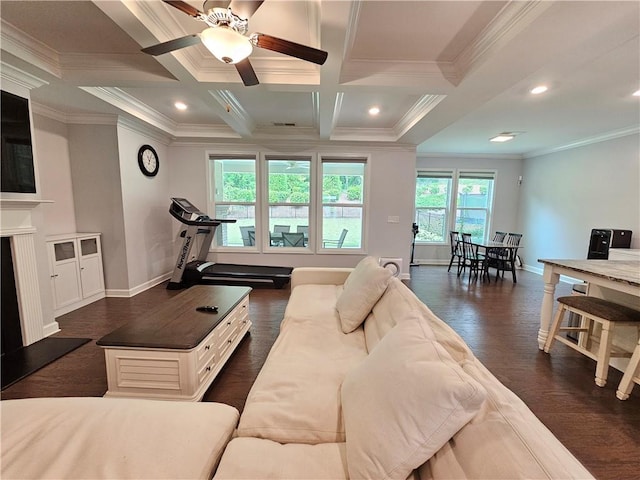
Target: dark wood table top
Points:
(175, 324)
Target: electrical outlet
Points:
(393, 219)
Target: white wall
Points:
(567, 193)
(391, 177)
(52, 144)
(145, 202)
(97, 195)
(505, 202)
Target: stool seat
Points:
(607, 314)
(614, 312)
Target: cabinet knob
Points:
(209, 368)
(207, 347)
(228, 323)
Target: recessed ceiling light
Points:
(636, 93)
(374, 111)
(539, 89)
(503, 137)
(180, 105)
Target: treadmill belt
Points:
(248, 271)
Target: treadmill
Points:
(200, 271)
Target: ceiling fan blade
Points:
(172, 45)
(292, 49)
(184, 7)
(248, 75)
(245, 8)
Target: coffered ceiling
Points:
(446, 75)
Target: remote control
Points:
(208, 309)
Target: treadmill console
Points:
(185, 209)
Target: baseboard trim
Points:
(51, 328)
(122, 293)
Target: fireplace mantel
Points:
(16, 222)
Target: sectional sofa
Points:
(363, 381)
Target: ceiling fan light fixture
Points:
(226, 44)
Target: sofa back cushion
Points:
(362, 289)
(404, 402)
(527, 449)
(394, 306)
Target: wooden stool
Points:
(631, 375)
(593, 310)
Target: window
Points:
(468, 193)
(433, 200)
(234, 196)
(343, 203)
(473, 203)
(289, 195)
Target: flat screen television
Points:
(17, 174)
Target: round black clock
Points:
(148, 160)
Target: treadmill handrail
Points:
(205, 223)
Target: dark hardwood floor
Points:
(499, 321)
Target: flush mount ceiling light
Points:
(503, 137)
(636, 93)
(226, 44)
(180, 105)
(539, 89)
(374, 111)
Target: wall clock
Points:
(148, 160)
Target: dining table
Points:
(511, 250)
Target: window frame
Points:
(451, 210)
(265, 241)
(212, 204)
(320, 204)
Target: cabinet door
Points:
(91, 274)
(65, 278)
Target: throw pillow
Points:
(362, 289)
(403, 403)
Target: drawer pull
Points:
(230, 341)
(209, 368)
(207, 347)
(228, 323)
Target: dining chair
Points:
(303, 228)
(293, 239)
(336, 243)
(506, 258)
(276, 236)
(251, 235)
(499, 236)
(244, 232)
(456, 248)
(471, 258)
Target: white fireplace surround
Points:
(16, 223)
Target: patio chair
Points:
(335, 243)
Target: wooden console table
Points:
(174, 352)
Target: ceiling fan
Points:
(226, 36)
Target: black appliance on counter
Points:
(602, 239)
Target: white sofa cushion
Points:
(362, 289)
(404, 402)
(107, 438)
(255, 458)
(528, 449)
(296, 396)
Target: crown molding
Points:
(416, 113)
(623, 132)
(402, 73)
(29, 49)
(19, 77)
(234, 113)
(131, 105)
(135, 126)
(513, 18)
(205, 131)
(364, 135)
(473, 156)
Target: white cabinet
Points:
(75, 263)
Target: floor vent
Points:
(393, 264)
